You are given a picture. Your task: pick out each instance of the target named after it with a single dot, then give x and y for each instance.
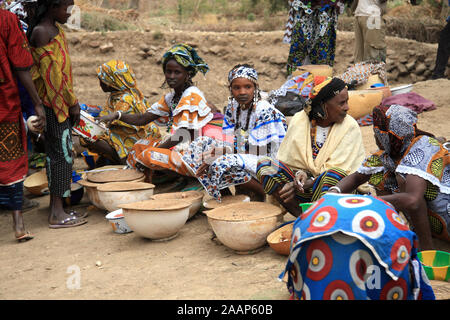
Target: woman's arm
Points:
(412, 202)
(133, 119)
(25, 78)
(351, 182)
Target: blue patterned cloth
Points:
(354, 247)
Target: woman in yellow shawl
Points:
(117, 78)
(322, 145)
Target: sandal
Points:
(70, 222)
(25, 237)
(76, 214)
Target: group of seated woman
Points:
(321, 151)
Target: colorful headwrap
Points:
(186, 56)
(395, 128)
(324, 89)
(118, 75)
(243, 72)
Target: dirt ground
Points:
(191, 266)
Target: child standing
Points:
(53, 79)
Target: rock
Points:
(144, 48)
(394, 74)
(410, 65)
(421, 57)
(264, 59)
(94, 44)
(108, 47)
(390, 52)
(411, 53)
(74, 40)
(420, 68)
(216, 50)
(277, 60)
(429, 61)
(402, 69)
(413, 78)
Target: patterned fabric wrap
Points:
(360, 72)
(127, 99)
(18, 9)
(395, 128)
(354, 247)
(52, 75)
(267, 128)
(14, 54)
(225, 171)
(425, 158)
(58, 147)
(243, 72)
(274, 174)
(188, 57)
(313, 36)
(300, 85)
(299, 8)
(192, 111)
(11, 197)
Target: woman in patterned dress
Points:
(251, 128)
(411, 171)
(354, 247)
(184, 112)
(311, 32)
(323, 144)
(117, 78)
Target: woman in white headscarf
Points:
(251, 128)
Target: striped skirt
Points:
(274, 174)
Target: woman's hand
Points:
(74, 114)
(208, 157)
(41, 122)
(287, 193)
(300, 180)
(108, 119)
(204, 167)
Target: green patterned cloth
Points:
(186, 56)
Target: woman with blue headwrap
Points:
(251, 128)
(184, 112)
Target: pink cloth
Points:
(410, 100)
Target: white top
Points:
(368, 8)
(321, 135)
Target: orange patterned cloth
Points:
(52, 76)
(191, 112)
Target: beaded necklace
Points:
(172, 106)
(240, 144)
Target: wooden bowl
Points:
(37, 183)
(120, 175)
(244, 226)
(156, 219)
(213, 203)
(112, 194)
(195, 197)
(280, 239)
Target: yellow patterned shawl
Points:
(127, 99)
(52, 75)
